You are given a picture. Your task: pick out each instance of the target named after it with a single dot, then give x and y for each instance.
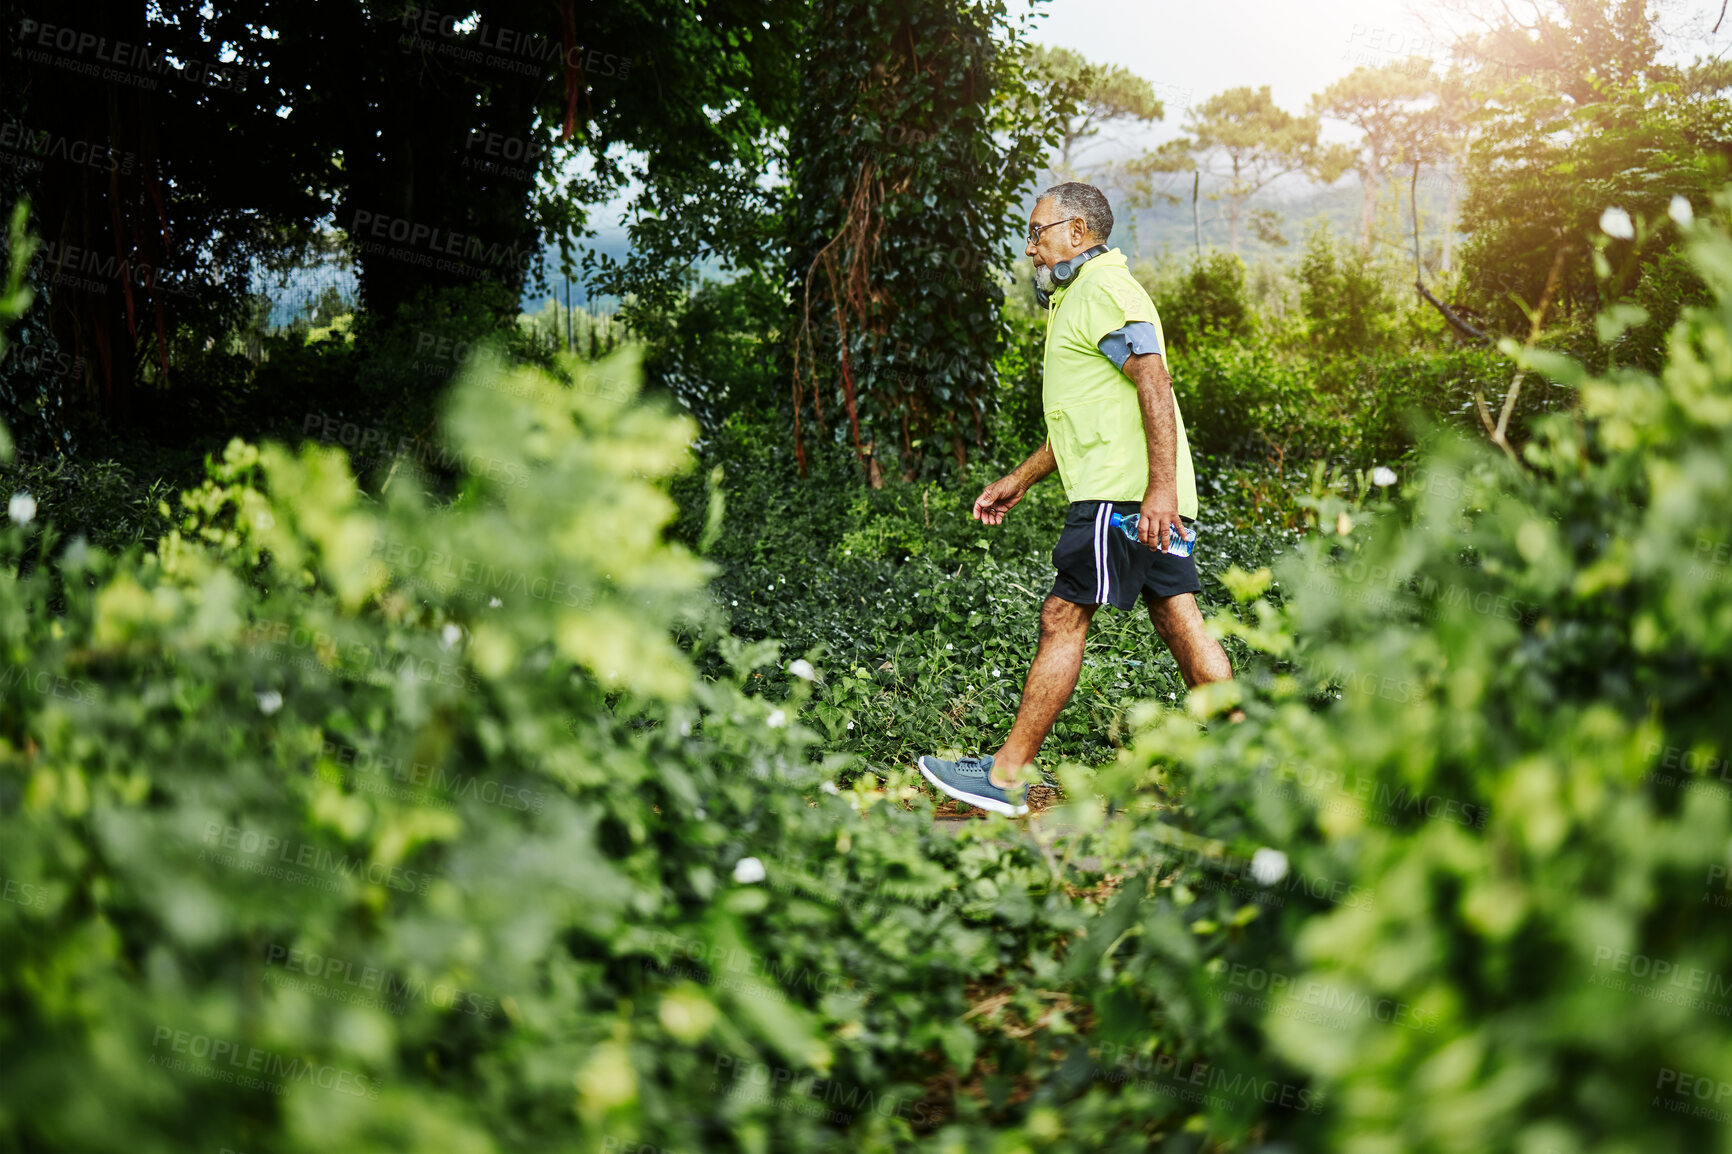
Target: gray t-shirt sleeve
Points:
(1136, 337)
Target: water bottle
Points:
(1178, 546)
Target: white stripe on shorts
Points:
(1103, 525)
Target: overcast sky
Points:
(1190, 51)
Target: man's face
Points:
(1059, 243)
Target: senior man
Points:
(1115, 436)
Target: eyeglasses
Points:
(1034, 230)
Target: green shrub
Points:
(1344, 296)
(1205, 303)
(343, 823)
(716, 353)
(1523, 671)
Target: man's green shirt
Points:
(1093, 420)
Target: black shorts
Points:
(1097, 564)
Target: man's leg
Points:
(1180, 624)
(1064, 626)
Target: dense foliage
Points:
(340, 821)
(913, 147)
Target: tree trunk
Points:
(1449, 219)
(1367, 207)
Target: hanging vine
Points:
(908, 161)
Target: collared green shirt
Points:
(1093, 420)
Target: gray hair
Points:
(1074, 198)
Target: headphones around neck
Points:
(1065, 271)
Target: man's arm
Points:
(1155, 396)
(1039, 466)
(998, 498)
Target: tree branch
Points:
(1456, 322)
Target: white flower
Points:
(1383, 476)
(850, 725)
(1680, 211)
(995, 673)
(802, 668)
(450, 635)
(494, 602)
(748, 871)
(22, 508)
(948, 645)
(1615, 222)
(829, 787)
(1268, 866)
(777, 719)
(269, 701)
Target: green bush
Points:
(1522, 668)
(337, 822)
(1205, 303)
(1346, 301)
(716, 352)
(342, 823)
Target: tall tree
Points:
(443, 143)
(1380, 103)
(1575, 114)
(912, 149)
(1103, 94)
(161, 170)
(1247, 142)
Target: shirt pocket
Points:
(1076, 428)
(1084, 426)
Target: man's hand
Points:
(999, 498)
(1160, 509)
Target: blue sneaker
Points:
(969, 779)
